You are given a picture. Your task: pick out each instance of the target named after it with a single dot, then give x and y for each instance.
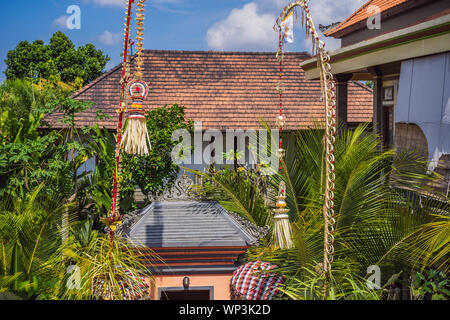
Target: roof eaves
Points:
(428, 24)
(249, 230)
(395, 8)
(339, 26)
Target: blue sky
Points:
(231, 25)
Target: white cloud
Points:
(250, 27)
(60, 22)
(243, 29)
(109, 39)
(326, 12)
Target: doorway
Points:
(193, 293)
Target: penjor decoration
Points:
(135, 138)
(329, 93)
(281, 227)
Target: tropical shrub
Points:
(431, 285)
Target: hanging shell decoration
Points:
(329, 92)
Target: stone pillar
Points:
(377, 100)
(342, 96)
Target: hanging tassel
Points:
(281, 227)
(135, 137)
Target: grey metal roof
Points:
(188, 224)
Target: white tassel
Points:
(282, 237)
(282, 231)
(135, 137)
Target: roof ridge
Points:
(224, 52)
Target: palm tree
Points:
(379, 203)
(29, 235)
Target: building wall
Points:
(220, 284)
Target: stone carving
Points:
(254, 230)
(180, 191)
(128, 221)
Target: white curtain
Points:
(424, 99)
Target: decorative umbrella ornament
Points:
(135, 138)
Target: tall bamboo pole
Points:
(115, 201)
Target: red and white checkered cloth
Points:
(250, 283)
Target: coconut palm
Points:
(29, 234)
(430, 244)
(380, 206)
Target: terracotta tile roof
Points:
(222, 89)
(362, 14)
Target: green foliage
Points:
(15, 130)
(43, 193)
(431, 285)
(29, 157)
(369, 84)
(110, 268)
(34, 258)
(57, 61)
(153, 172)
(24, 97)
(29, 233)
(69, 107)
(26, 157)
(342, 284)
(239, 191)
(380, 205)
(99, 187)
(430, 244)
